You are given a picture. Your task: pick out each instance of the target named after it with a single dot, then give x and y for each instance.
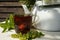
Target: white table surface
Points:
(48, 35)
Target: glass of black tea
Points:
(22, 23)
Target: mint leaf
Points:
(9, 24)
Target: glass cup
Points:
(22, 23)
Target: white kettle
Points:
(49, 18)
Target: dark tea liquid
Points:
(22, 23)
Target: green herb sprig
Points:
(28, 36)
(8, 25)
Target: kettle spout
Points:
(26, 10)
